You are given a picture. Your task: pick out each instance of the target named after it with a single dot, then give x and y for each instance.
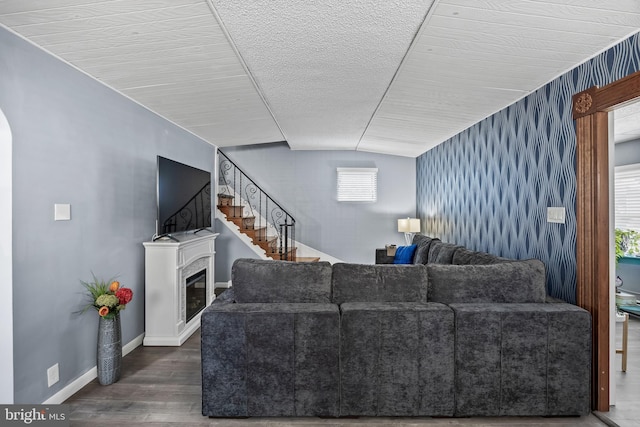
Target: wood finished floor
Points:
(626, 412)
(160, 386)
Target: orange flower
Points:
(104, 310)
(114, 286)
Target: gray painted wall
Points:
(6, 279)
(79, 142)
(304, 183)
(228, 249)
(627, 153)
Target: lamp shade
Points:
(409, 225)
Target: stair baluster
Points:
(267, 223)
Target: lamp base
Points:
(408, 238)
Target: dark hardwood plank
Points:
(160, 386)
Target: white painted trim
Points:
(88, 376)
(132, 345)
(303, 250)
(175, 341)
(6, 262)
(226, 285)
(612, 265)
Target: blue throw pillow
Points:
(404, 254)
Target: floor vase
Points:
(109, 350)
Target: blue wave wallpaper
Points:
(488, 188)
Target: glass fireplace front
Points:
(196, 293)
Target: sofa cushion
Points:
(423, 243)
(507, 282)
(464, 256)
(256, 280)
(404, 254)
(397, 359)
(379, 283)
(522, 359)
(441, 252)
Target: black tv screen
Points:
(184, 198)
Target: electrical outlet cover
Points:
(53, 375)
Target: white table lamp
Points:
(409, 226)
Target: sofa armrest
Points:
(270, 359)
(537, 354)
(382, 257)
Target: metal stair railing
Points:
(195, 214)
(233, 182)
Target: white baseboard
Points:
(223, 284)
(88, 376)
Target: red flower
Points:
(124, 295)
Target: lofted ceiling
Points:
(387, 76)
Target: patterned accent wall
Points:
(488, 187)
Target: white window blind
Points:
(627, 194)
(357, 184)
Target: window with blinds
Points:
(357, 184)
(627, 196)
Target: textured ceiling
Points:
(323, 66)
(392, 76)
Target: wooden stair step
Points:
(231, 211)
(276, 255)
(225, 200)
(244, 222)
(256, 233)
(270, 244)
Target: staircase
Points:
(257, 215)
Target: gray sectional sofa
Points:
(314, 339)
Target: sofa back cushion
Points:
(256, 280)
(379, 283)
(506, 282)
(423, 243)
(464, 256)
(441, 252)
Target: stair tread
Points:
(290, 249)
(307, 259)
(231, 206)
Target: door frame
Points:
(590, 112)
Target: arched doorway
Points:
(6, 263)
(590, 111)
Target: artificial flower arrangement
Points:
(107, 297)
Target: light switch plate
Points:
(62, 212)
(556, 214)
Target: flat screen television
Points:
(184, 198)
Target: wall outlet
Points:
(62, 212)
(556, 214)
(53, 375)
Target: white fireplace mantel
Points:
(168, 263)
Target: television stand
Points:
(179, 275)
(164, 237)
(203, 229)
